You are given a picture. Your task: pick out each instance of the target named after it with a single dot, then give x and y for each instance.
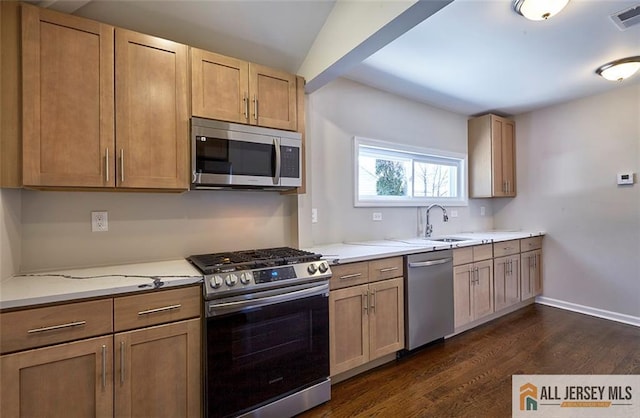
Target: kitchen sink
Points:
(448, 239)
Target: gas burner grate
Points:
(251, 259)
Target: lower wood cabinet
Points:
(67, 380)
(365, 322)
(472, 291)
(506, 281)
(150, 371)
(157, 371)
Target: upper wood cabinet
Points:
(102, 107)
(492, 167)
(68, 100)
(152, 117)
(233, 90)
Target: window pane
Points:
(434, 180)
(382, 177)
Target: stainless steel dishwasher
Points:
(428, 297)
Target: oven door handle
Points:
(216, 309)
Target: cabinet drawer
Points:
(345, 275)
(148, 309)
(533, 243)
(506, 248)
(462, 256)
(55, 324)
(482, 252)
(386, 268)
(472, 254)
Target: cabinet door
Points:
(508, 157)
(66, 381)
(68, 130)
(503, 156)
(273, 98)
(506, 280)
(157, 371)
(348, 328)
(152, 127)
(386, 317)
(219, 87)
(537, 273)
(462, 282)
(482, 298)
(531, 277)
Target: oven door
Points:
(262, 348)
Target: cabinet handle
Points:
(245, 101)
(104, 366)
(121, 165)
(477, 273)
(255, 107)
(106, 164)
(373, 301)
(56, 327)
(121, 362)
(385, 270)
(157, 310)
(350, 276)
(365, 302)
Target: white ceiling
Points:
(471, 57)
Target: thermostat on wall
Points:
(626, 178)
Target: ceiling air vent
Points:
(627, 18)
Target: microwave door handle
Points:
(276, 143)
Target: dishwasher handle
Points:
(430, 263)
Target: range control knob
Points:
(312, 268)
(323, 267)
(215, 281)
(245, 278)
(231, 280)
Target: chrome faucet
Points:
(429, 228)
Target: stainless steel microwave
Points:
(231, 155)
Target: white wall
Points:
(56, 226)
(567, 159)
(343, 109)
(10, 231)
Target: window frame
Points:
(414, 153)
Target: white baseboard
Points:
(587, 310)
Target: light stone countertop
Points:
(30, 289)
(352, 251)
(67, 285)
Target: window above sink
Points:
(392, 174)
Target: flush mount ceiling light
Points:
(620, 69)
(538, 9)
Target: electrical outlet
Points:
(314, 216)
(99, 222)
(454, 213)
(482, 210)
(377, 216)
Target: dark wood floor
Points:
(469, 375)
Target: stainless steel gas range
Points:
(266, 332)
